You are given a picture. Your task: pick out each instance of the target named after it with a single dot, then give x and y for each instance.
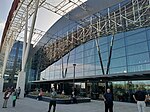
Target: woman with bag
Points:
(6, 97)
(14, 97)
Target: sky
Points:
(5, 6)
(45, 19)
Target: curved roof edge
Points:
(10, 15)
(92, 6)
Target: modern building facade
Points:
(13, 65)
(108, 42)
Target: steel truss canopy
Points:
(15, 24)
(16, 19)
(125, 16)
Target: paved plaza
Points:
(32, 105)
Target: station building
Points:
(100, 43)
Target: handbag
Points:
(13, 97)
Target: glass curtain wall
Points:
(131, 53)
(13, 65)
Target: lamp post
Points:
(74, 65)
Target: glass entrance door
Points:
(124, 90)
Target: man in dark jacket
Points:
(140, 97)
(108, 99)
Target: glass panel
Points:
(79, 49)
(136, 68)
(70, 70)
(89, 52)
(104, 56)
(57, 74)
(89, 73)
(72, 52)
(78, 74)
(137, 48)
(116, 37)
(71, 58)
(148, 33)
(89, 59)
(118, 62)
(98, 66)
(79, 61)
(119, 36)
(149, 45)
(79, 68)
(70, 64)
(79, 55)
(103, 48)
(89, 67)
(102, 40)
(118, 43)
(118, 70)
(136, 38)
(129, 33)
(138, 59)
(99, 72)
(118, 52)
(89, 45)
(69, 75)
(42, 76)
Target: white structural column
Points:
(4, 65)
(25, 39)
(22, 74)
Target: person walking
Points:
(53, 100)
(18, 92)
(140, 97)
(73, 96)
(6, 97)
(14, 97)
(39, 97)
(108, 100)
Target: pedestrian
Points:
(6, 97)
(14, 97)
(108, 100)
(40, 94)
(140, 98)
(53, 100)
(12, 89)
(74, 99)
(18, 92)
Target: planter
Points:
(61, 101)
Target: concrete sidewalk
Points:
(31, 105)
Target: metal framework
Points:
(14, 26)
(17, 19)
(126, 16)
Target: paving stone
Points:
(32, 105)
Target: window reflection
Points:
(137, 48)
(136, 38)
(118, 62)
(130, 54)
(118, 52)
(136, 68)
(138, 59)
(124, 90)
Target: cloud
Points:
(2, 25)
